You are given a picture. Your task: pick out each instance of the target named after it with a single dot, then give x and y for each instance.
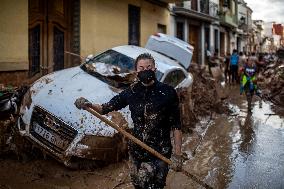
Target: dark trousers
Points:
(155, 180)
(234, 72)
(227, 74)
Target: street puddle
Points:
(242, 150)
(267, 116)
(258, 147)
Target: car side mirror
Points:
(89, 58)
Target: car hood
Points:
(58, 91)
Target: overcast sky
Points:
(267, 10)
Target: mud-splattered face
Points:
(146, 72)
(145, 64)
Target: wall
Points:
(104, 24)
(13, 35)
(249, 18)
(278, 28)
(276, 39)
(268, 29)
(242, 12)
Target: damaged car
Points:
(50, 120)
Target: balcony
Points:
(229, 20)
(200, 9)
(227, 17)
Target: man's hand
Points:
(176, 162)
(82, 103)
(97, 108)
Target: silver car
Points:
(50, 120)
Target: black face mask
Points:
(146, 76)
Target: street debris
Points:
(271, 79)
(205, 98)
(10, 99)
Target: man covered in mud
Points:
(155, 113)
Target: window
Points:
(34, 50)
(133, 25)
(180, 30)
(216, 38)
(174, 78)
(162, 28)
(58, 49)
(227, 3)
(112, 57)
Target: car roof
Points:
(163, 63)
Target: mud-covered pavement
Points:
(242, 150)
(239, 150)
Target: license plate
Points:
(50, 137)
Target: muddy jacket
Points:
(154, 111)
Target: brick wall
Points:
(14, 78)
(278, 29)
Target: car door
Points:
(182, 83)
(174, 78)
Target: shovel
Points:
(143, 145)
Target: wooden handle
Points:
(143, 145)
(128, 135)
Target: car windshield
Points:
(114, 68)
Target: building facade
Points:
(278, 30)
(273, 39)
(37, 35)
(195, 22)
(245, 27)
(228, 26)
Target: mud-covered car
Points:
(50, 120)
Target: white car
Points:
(50, 120)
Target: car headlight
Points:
(26, 102)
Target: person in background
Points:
(248, 78)
(227, 72)
(214, 60)
(242, 60)
(234, 62)
(254, 58)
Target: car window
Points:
(112, 57)
(159, 75)
(125, 63)
(174, 78)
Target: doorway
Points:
(193, 40)
(51, 34)
(222, 44)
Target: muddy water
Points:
(259, 154)
(244, 150)
(237, 151)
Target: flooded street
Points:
(242, 150)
